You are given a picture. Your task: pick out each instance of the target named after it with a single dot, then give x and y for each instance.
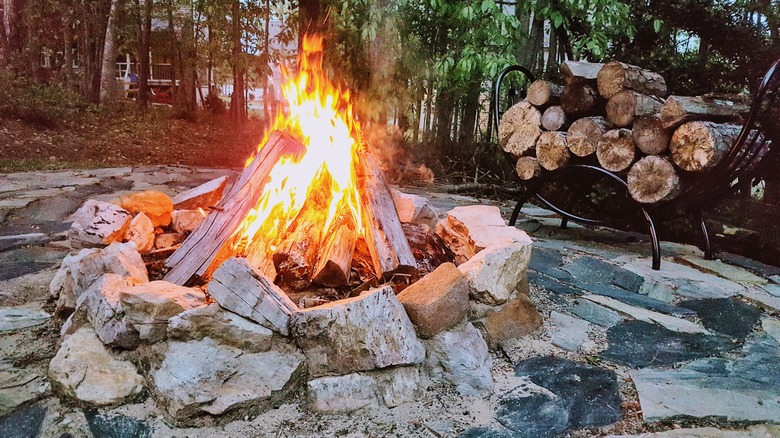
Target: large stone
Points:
(185, 221)
(17, 318)
(414, 209)
(141, 232)
(25, 422)
(638, 313)
(225, 327)
(202, 377)
(154, 204)
(78, 272)
(730, 272)
(595, 313)
(86, 370)
(390, 387)
(495, 272)
(149, 306)
(357, 334)
(203, 196)
(168, 240)
(101, 306)
(728, 316)
(116, 425)
(18, 387)
(470, 229)
(757, 431)
(461, 357)
(437, 301)
(516, 318)
(97, 224)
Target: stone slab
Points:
(116, 426)
(24, 423)
(724, 270)
(762, 297)
(728, 316)
(591, 270)
(569, 333)
(679, 280)
(595, 313)
(17, 318)
(670, 322)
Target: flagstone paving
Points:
(697, 341)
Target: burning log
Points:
(429, 249)
(211, 243)
(384, 235)
(335, 261)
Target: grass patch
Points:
(36, 164)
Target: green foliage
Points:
(37, 104)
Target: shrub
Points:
(214, 104)
(36, 104)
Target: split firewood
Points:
(698, 146)
(616, 76)
(626, 105)
(519, 128)
(580, 70)
(584, 134)
(551, 150)
(680, 109)
(429, 249)
(650, 135)
(653, 179)
(335, 261)
(385, 237)
(211, 243)
(616, 150)
(579, 99)
(554, 118)
(543, 93)
(527, 168)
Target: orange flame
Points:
(320, 116)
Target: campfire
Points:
(312, 207)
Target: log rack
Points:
(750, 157)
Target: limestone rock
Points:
(225, 327)
(350, 392)
(437, 301)
(149, 306)
(495, 272)
(414, 209)
(460, 356)
(86, 370)
(141, 231)
(101, 306)
(357, 334)
(18, 318)
(156, 205)
(185, 221)
(97, 224)
(78, 272)
(516, 318)
(203, 377)
(167, 240)
(203, 196)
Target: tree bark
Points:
(650, 135)
(579, 99)
(551, 150)
(616, 76)
(616, 150)
(627, 105)
(653, 179)
(698, 146)
(584, 134)
(108, 83)
(680, 109)
(519, 128)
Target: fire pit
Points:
(310, 275)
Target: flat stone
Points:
(20, 240)
(116, 426)
(595, 313)
(97, 224)
(461, 357)
(221, 325)
(357, 334)
(757, 431)
(636, 299)
(548, 261)
(745, 389)
(141, 232)
(640, 344)
(762, 298)
(149, 306)
(595, 271)
(18, 387)
(730, 272)
(437, 301)
(495, 272)
(727, 316)
(670, 322)
(202, 377)
(185, 221)
(154, 204)
(552, 285)
(561, 395)
(86, 370)
(569, 333)
(17, 318)
(775, 278)
(678, 280)
(772, 327)
(389, 387)
(24, 423)
(484, 432)
(467, 215)
(414, 209)
(203, 196)
(771, 289)
(516, 318)
(100, 305)
(761, 269)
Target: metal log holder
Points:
(754, 152)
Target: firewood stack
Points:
(618, 115)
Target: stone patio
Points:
(623, 350)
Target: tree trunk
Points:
(144, 45)
(626, 105)
(470, 109)
(67, 52)
(552, 52)
(520, 128)
(551, 150)
(175, 54)
(187, 99)
(698, 146)
(616, 76)
(653, 179)
(108, 83)
(584, 134)
(650, 135)
(616, 150)
(237, 101)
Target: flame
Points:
(320, 116)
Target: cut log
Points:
(680, 109)
(211, 243)
(579, 99)
(390, 251)
(698, 146)
(650, 135)
(551, 150)
(554, 118)
(579, 71)
(429, 249)
(616, 76)
(653, 179)
(543, 93)
(616, 150)
(584, 134)
(527, 168)
(519, 128)
(626, 105)
(335, 261)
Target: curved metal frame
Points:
(745, 159)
